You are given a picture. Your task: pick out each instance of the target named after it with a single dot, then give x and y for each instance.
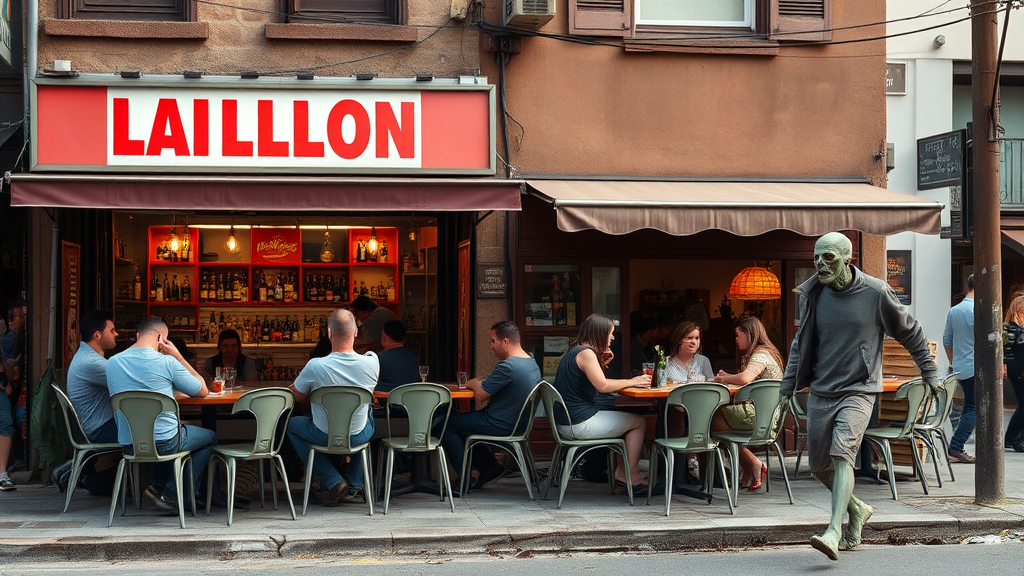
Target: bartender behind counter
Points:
(229, 355)
(371, 323)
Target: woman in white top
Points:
(684, 363)
(760, 360)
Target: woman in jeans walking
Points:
(1013, 367)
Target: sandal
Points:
(756, 483)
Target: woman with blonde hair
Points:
(580, 378)
(1013, 367)
(761, 359)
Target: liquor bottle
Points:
(383, 252)
(186, 290)
(286, 330)
(203, 286)
(361, 251)
(382, 291)
(569, 298)
(244, 281)
(289, 288)
(162, 290)
(220, 288)
(329, 288)
(311, 295)
(391, 289)
(236, 287)
(152, 288)
(263, 287)
(175, 291)
(342, 285)
(137, 288)
(298, 330)
(186, 248)
(278, 290)
(363, 290)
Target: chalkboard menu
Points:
(940, 160)
(897, 273)
(491, 281)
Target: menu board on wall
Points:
(897, 273)
(276, 246)
(71, 257)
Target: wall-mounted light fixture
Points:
(249, 74)
(131, 74)
(304, 75)
(192, 73)
(366, 75)
(424, 77)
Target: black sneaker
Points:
(493, 473)
(160, 500)
(61, 475)
(353, 494)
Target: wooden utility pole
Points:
(988, 350)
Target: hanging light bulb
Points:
(173, 242)
(231, 244)
(327, 250)
(371, 245)
(412, 233)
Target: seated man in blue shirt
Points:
(499, 398)
(398, 364)
(154, 364)
(87, 389)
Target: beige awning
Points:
(742, 208)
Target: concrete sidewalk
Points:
(501, 520)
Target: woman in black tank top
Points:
(579, 379)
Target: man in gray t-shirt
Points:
(342, 367)
(499, 399)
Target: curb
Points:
(526, 541)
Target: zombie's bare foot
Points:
(827, 543)
(859, 514)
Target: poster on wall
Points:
(897, 273)
(71, 260)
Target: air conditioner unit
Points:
(529, 14)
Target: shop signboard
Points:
(336, 126)
(491, 281)
(941, 161)
(897, 273)
(276, 246)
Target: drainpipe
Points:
(31, 61)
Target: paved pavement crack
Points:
(280, 541)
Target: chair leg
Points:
(181, 491)
(524, 469)
(287, 486)
(532, 463)
(273, 483)
(76, 468)
(380, 470)
(721, 466)
(308, 480)
(611, 472)
(653, 471)
(210, 468)
(924, 437)
(918, 466)
(768, 475)
(120, 485)
(263, 492)
(566, 471)
(232, 467)
(628, 476)
(887, 454)
(463, 474)
(670, 468)
(135, 487)
(443, 463)
(733, 450)
(782, 466)
(552, 469)
(387, 484)
(945, 452)
(368, 494)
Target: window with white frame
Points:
(696, 13)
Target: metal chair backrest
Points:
(941, 404)
(341, 403)
(271, 408)
(553, 402)
(524, 421)
(421, 401)
(915, 392)
(139, 409)
(75, 431)
(768, 411)
(701, 402)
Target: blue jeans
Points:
(6, 417)
(967, 418)
(303, 432)
(105, 434)
(198, 441)
(461, 425)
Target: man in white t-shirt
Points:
(342, 367)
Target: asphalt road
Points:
(1004, 558)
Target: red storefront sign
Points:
(448, 130)
(276, 246)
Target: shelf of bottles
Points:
(194, 273)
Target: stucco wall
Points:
(600, 110)
(957, 36)
(237, 41)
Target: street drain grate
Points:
(54, 524)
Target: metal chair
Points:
(341, 403)
(915, 392)
(140, 409)
(575, 448)
(271, 408)
(768, 416)
(84, 449)
(420, 400)
(936, 415)
(701, 402)
(517, 444)
(798, 409)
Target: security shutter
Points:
(801, 20)
(600, 17)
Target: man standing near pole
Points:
(958, 340)
(837, 353)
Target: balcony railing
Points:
(1011, 173)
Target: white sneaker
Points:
(6, 483)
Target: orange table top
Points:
(228, 398)
(889, 384)
(457, 394)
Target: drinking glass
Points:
(462, 378)
(232, 376)
(424, 370)
(648, 368)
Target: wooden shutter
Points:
(600, 17)
(326, 11)
(803, 20)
